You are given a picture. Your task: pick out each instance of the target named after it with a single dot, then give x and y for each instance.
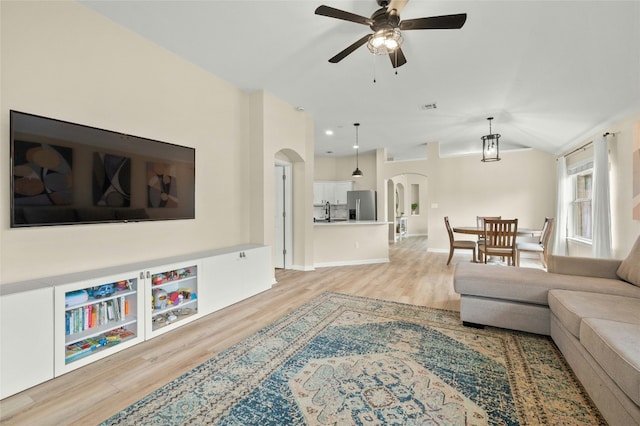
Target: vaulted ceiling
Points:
(551, 73)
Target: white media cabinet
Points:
(54, 325)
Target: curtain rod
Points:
(604, 135)
(578, 149)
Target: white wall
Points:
(62, 60)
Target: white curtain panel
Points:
(559, 239)
(601, 236)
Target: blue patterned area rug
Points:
(345, 360)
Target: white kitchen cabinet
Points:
(323, 192)
(340, 191)
(26, 348)
(334, 192)
(318, 193)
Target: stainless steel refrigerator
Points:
(362, 205)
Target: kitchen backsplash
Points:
(339, 211)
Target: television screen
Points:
(65, 173)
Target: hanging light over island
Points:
(357, 172)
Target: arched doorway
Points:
(407, 200)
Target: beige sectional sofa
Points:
(589, 307)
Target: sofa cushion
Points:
(616, 348)
(529, 285)
(570, 307)
(629, 269)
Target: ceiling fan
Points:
(387, 27)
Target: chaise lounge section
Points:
(589, 307)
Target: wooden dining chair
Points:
(480, 225)
(458, 244)
(541, 246)
(499, 239)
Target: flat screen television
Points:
(65, 173)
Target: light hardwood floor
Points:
(93, 393)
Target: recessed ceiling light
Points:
(328, 132)
(300, 108)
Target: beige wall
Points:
(344, 244)
(280, 131)
(522, 185)
(340, 168)
(61, 60)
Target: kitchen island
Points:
(350, 242)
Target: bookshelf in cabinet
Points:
(172, 297)
(100, 317)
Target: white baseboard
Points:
(303, 268)
(351, 262)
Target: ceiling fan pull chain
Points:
(395, 52)
(374, 68)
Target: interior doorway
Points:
(283, 218)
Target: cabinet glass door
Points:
(100, 317)
(172, 296)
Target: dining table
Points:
(474, 230)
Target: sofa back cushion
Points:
(629, 269)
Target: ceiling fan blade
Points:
(341, 14)
(398, 5)
(397, 58)
(340, 56)
(445, 22)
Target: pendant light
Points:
(357, 172)
(490, 145)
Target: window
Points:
(580, 208)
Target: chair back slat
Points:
(449, 230)
(547, 228)
(480, 220)
(500, 233)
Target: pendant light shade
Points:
(357, 172)
(490, 145)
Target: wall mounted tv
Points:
(65, 173)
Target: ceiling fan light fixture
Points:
(385, 41)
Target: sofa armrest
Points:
(585, 266)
